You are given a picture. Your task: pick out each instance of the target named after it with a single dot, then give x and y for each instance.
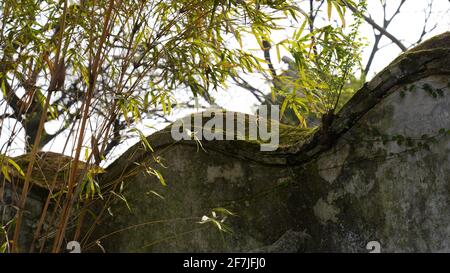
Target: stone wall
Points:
(384, 176)
(380, 172)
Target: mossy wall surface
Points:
(385, 177)
(388, 178)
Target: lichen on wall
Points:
(395, 189)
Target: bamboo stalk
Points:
(92, 81)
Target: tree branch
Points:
(376, 26)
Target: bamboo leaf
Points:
(6, 173)
(157, 194)
(16, 166)
(329, 8)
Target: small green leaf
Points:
(121, 197)
(330, 6)
(283, 106)
(157, 194)
(6, 173)
(278, 52)
(4, 247)
(223, 211)
(16, 166)
(4, 89)
(340, 12)
(160, 177)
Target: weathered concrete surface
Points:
(396, 192)
(384, 177)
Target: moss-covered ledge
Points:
(429, 58)
(298, 145)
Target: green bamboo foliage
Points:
(326, 62)
(109, 62)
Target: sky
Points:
(407, 26)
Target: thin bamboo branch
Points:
(92, 81)
(24, 194)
